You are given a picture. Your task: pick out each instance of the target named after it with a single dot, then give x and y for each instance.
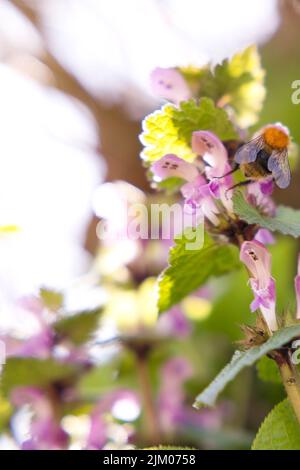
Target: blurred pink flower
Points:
(173, 412)
(174, 323)
(45, 432)
(171, 395)
(46, 435)
(97, 436)
(38, 345)
(169, 84)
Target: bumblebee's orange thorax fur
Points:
(276, 138)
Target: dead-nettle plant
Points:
(199, 144)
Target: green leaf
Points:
(98, 381)
(190, 269)
(242, 359)
(78, 327)
(25, 371)
(52, 299)
(237, 82)
(268, 371)
(233, 290)
(169, 130)
(169, 185)
(280, 430)
(286, 221)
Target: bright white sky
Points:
(112, 45)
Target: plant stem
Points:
(151, 419)
(291, 381)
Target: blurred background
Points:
(74, 79)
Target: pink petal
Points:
(168, 83)
(174, 322)
(214, 187)
(177, 369)
(267, 187)
(198, 194)
(193, 190)
(172, 166)
(257, 259)
(208, 146)
(258, 198)
(26, 395)
(265, 237)
(210, 211)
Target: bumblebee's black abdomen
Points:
(259, 168)
(262, 160)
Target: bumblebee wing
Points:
(248, 152)
(278, 164)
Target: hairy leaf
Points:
(28, 371)
(169, 130)
(79, 327)
(279, 431)
(237, 82)
(190, 269)
(286, 221)
(240, 360)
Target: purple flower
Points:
(196, 191)
(211, 150)
(98, 432)
(209, 147)
(46, 432)
(97, 436)
(264, 236)
(171, 396)
(258, 196)
(206, 418)
(39, 345)
(200, 190)
(172, 166)
(24, 395)
(197, 194)
(267, 186)
(169, 84)
(47, 435)
(173, 412)
(258, 262)
(174, 322)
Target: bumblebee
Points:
(265, 156)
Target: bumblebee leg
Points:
(236, 167)
(240, 184)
